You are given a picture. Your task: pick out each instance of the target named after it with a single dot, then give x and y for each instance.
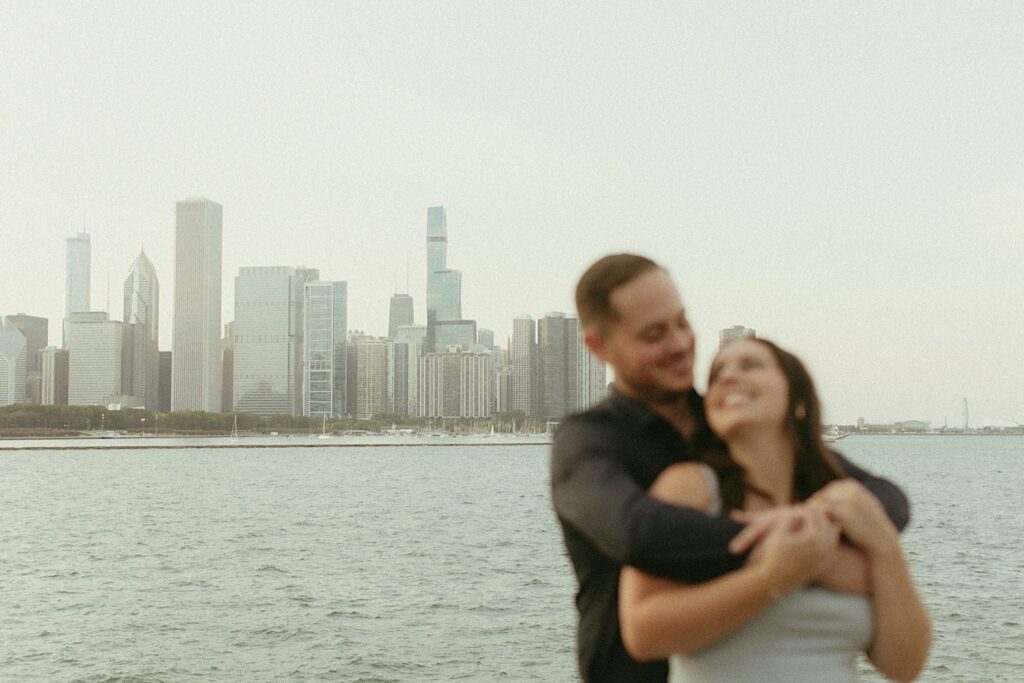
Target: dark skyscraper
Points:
(164, 383)
(556, 365)
(400, 312)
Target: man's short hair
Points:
(594, 291)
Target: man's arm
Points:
(891, 496)
(595, 496)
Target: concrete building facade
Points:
(455, 384)
(94, 358)
(198, 241)
(522, 359)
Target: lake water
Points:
(420, 562)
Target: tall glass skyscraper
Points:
(444, 285)
(325, 357)
(267, 344)
(77, 277)
(140, 352)
(437, 239)
(195, 339)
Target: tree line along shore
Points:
(39, 421)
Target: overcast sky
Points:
(846, 178)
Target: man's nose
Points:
(681, 339)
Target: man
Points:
(604, 459)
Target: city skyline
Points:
(843, 179)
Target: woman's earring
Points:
(800, 412)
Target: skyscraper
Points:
(592, 376)
(411, 339)
(455, 384)
(268, 329)
(140, 353)
(77, 277)
(735, 332)
(372, 388)
(502, 376)
(400, 312)
(36, 331)
(94, 358)
(195, 339)
(227, 368)
(325, 357)
(522, 357)
(165, 382)
(556, 365)
(454, 333)
(444, 285)
(53, 381)
(12, 364)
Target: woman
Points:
(761, 403)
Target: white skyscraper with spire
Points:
(195, 338)
(77, 277)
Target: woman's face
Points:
(746, 390)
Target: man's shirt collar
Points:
(640, 413)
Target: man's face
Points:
(651, 345)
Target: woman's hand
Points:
(860, 514)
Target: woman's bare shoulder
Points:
(684, 483)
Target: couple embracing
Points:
(717, 538)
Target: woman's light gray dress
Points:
(810, 636)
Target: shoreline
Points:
(206, 443)
(183, 442)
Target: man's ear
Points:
(596, 343)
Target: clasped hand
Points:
(799, 544)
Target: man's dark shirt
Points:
(603, 460)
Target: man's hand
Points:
(758, 524)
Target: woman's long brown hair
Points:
(815, 464)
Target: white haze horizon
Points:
(847, 180)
